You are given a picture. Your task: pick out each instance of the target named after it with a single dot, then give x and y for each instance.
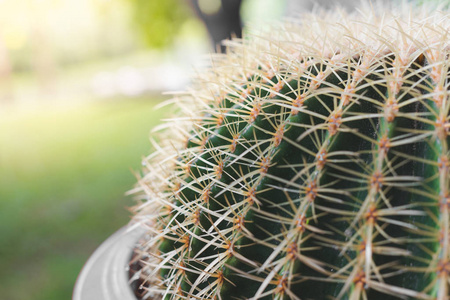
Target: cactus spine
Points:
(311, 164)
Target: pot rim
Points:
(105, 274)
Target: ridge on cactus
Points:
(311, 162)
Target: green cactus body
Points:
(309, 165)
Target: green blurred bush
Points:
(159, 22)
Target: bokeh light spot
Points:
(209, 7)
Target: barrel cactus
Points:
(311, 162)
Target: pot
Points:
(105, 274)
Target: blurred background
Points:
(79, 81)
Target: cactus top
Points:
(309, 162)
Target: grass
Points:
(63, 175)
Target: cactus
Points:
(308, 163)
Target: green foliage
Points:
(159, 21)
(311, 164)
(63, 175)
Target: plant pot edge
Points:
(105, 274)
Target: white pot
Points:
(105, 274)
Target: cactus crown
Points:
(308, 163)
